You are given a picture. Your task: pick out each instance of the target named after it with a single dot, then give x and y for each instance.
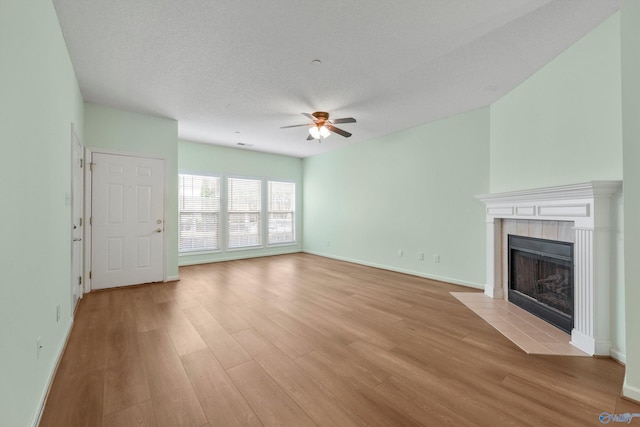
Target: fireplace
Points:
(541, 278)
(589, 207)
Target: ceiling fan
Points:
(322, 127)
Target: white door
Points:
(77, 223)
(127, 209)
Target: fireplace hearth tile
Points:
(532, 334)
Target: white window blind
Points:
(199, 213)
(244, 210)
(282, 210)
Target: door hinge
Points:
(79, 280)
(91, 165)
(90, 220)
(90, 274)
(80, 222)
(81, 163)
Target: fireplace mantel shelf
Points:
(562, 203)
(562, 192)
(588, 206)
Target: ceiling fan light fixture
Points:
(319, 131)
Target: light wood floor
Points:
(300, 340)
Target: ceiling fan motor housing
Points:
(321, 116)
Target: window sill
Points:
(279, 245)
(203, 252)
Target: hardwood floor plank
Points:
(121, 307)
(288, 343)
(86, 349)
(140, 415)
(566, 409)
(225, 348)
(427, 377)
(573, 390)
(172, 395)
(300, 329)
(425, 411)
(184, 336)
(366, 372)
(354, 394)
(162, 292)
(147, 316)
(373, 312)
(220, 399)
(318, 402)
(317, 319)
(229, 320)
(625, 405)
(125, 378)
(77, 401)
(272, 405)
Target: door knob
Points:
(159, 230)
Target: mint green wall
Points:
(631, 150)
(197, 158)
(412, 191)
(570, 109)
(116, 130)
(39, 99)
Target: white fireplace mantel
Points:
(588, 205)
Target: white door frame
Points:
(81, 195)
(88, 199)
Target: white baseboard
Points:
(173, 278)
(583, 342)
(631, 392)
(619, 356)
(45, 393)
(400, 270)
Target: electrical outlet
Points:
(58, 313)
(420, 256)
(436, 259)
(400, 252)
(38, 347)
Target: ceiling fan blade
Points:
(310, 117)
(309, 138)
(344, 120)
(338, 131)
(293, 126)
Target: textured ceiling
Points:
(236, 71)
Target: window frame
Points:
(293, 212)
(261, 216)
(220, 212)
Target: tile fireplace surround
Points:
(589, 207)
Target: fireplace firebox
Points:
(541, 278)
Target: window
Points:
(244, 197)
(199, 213)
(281, 214)
(219, 213)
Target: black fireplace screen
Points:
(541, 278)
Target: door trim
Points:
(89, 152)
(82, 194)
